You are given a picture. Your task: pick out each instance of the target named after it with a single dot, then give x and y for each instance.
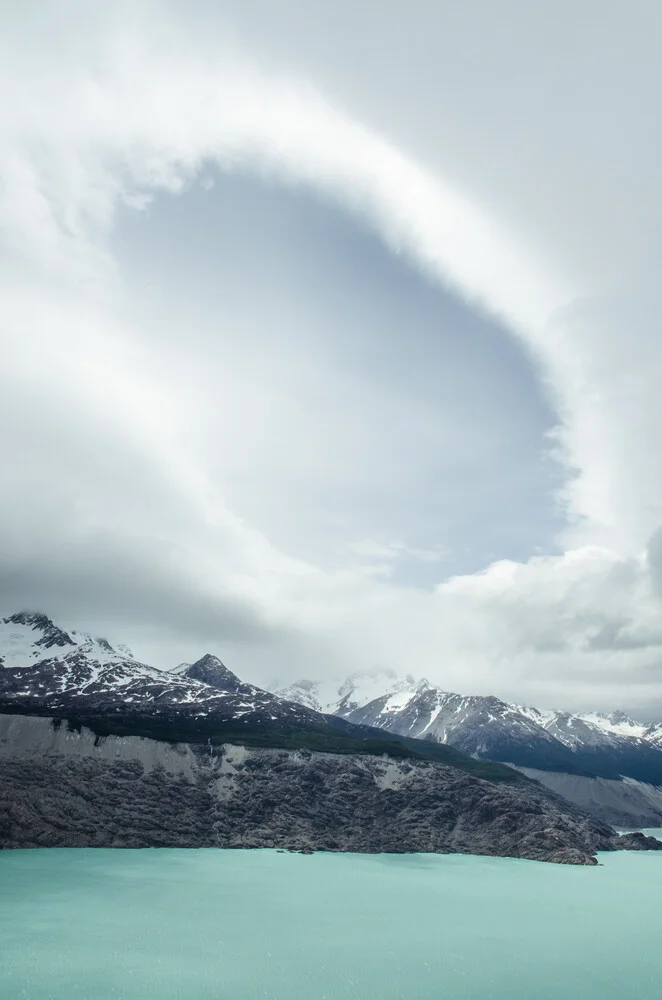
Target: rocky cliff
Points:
(61, 788)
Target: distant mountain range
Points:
(50, 670)
(98, 749)
(45, 670)
(590, 744)
(609, 765)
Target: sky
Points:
(330, 338)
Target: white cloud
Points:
(139, 108)
(370, 549)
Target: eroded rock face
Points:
(66, 789)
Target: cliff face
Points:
(65, 788)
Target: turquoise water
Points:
(242, 925)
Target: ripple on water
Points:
(241, 925)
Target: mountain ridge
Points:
(90, 683)
(99, 749)
(610, 745)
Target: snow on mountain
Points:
(48, 670)
(617, 723)
(654, 734)
(181, 668)
(594, 729)
(306, 693)
(410, 707)
(28, 637)
(488, 727)
(433, 711)
(356, 690)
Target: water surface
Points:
(242, 925)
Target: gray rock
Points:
(622, 803)
(637, 842)
(65, 789)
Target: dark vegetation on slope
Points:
(641, 762)
(556, 757)
(333, 736)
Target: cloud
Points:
(154, 108)
(388, 551)
(533, 632)
(111, 505)
(544, 118)
(149, 113)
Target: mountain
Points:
(593, 745)
(65, 673)
(69, 675)
(27, 638)
(98, 749)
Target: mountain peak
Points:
(210, 670)
(37, 621)
(487, 727)
(29, 636)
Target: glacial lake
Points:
(251, 925)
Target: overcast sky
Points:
(331, 339)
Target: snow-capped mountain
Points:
(27, 638)
(93, 684)
(654, 734)
(355, 691)
(47, 670)
(591, 743)
(101, 689)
